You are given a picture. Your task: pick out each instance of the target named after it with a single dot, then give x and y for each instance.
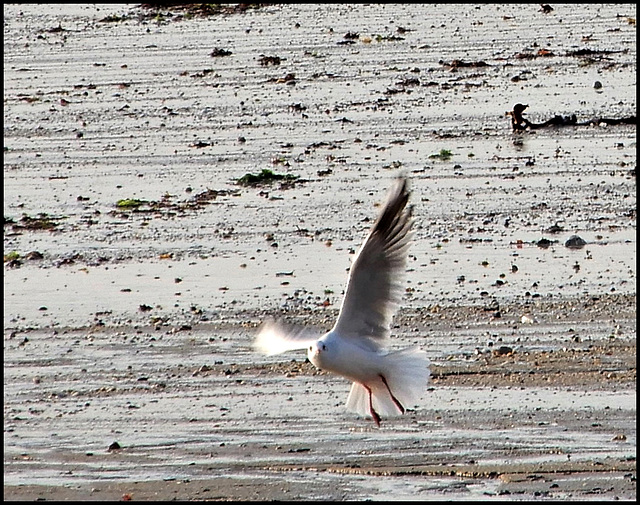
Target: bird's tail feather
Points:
(406, 373)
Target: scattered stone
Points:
(556, 228)
(218, 52)
(503, 350)
(266, 61)
(575, 242)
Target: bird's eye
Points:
(324, 347)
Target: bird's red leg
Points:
(395, 400)
(374, 414)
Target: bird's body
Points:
(343, 357)
(383, 382)
(392, 379)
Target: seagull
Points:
(384, 382)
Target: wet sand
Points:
(134, 324)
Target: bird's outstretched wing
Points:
(374, 287)
(275, 337)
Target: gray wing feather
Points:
(374, 287)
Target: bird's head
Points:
(316, 352)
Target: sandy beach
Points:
(138, 262)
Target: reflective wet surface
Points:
(134, 323)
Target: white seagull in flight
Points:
(384, 382)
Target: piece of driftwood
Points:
(521, 123)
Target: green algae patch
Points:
(265, 177)
(130, 203)
(443, 155)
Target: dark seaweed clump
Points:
(265, 177)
